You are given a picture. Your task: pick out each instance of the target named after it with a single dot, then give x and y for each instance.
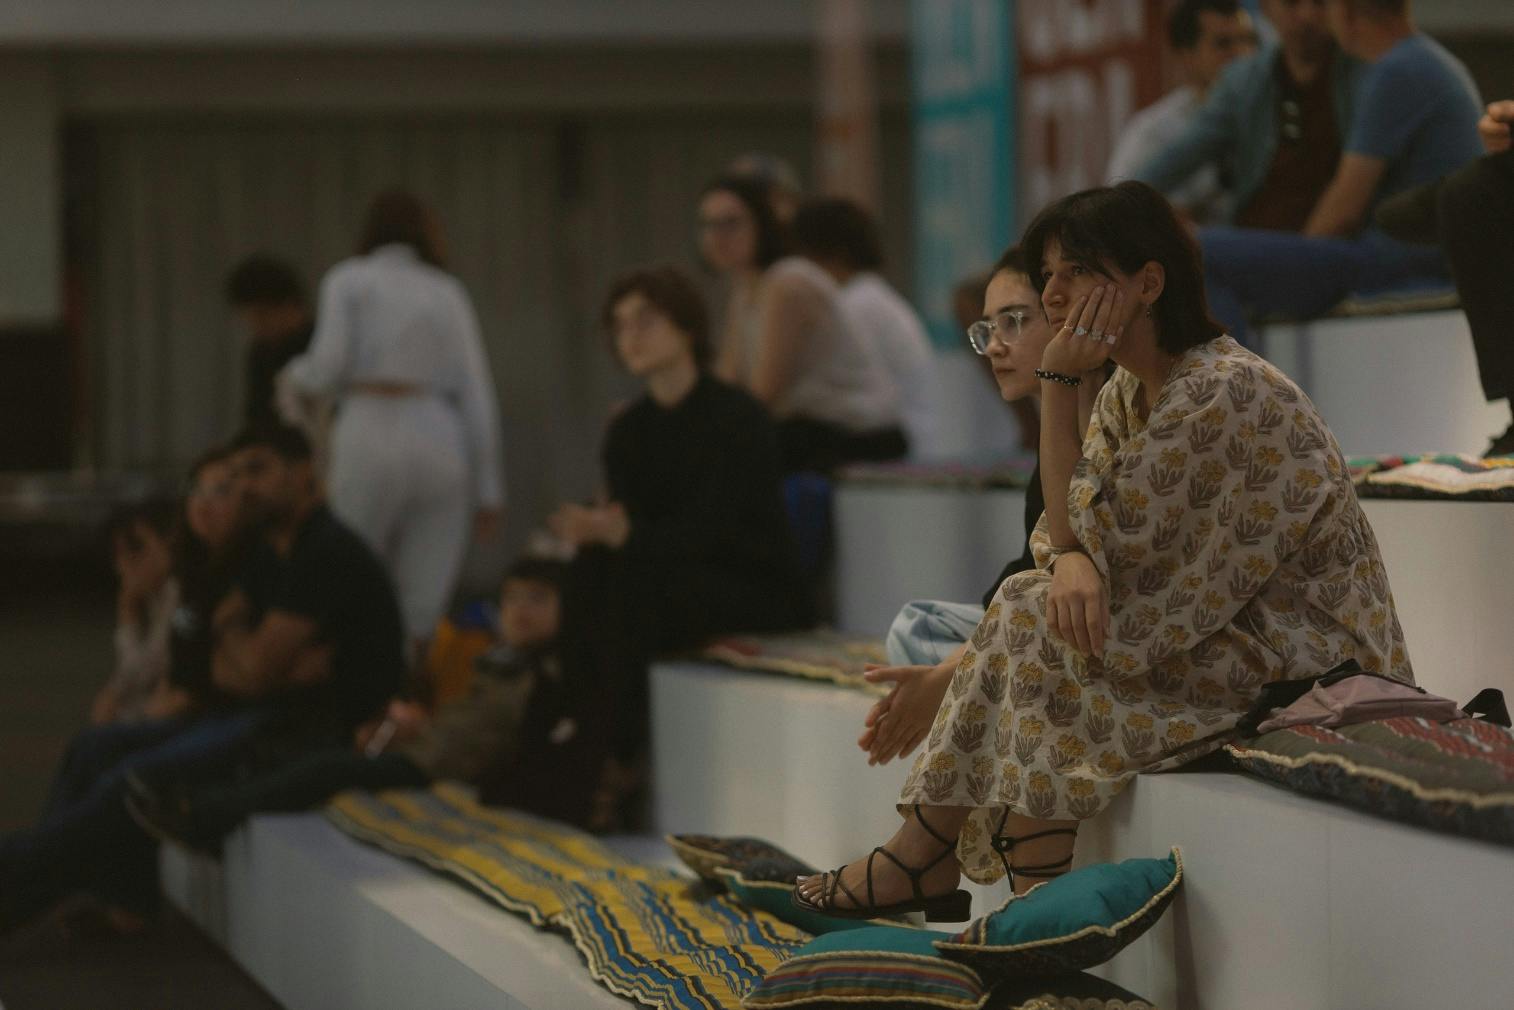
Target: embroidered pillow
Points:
(1075, 921)
(1452, 776)
(707, 854)
(877, 966)
(1076, 991)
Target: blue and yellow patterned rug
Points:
(645, 932)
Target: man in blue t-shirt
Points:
(1415, 119)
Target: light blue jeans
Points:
(927, 631)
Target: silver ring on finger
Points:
(1081, 331)
(1097, 335)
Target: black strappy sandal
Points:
(955, 907)
(1004, 845)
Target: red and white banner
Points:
(1085, 67)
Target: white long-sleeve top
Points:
(390, 317)
(881, 316)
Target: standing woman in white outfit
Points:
(415, 451)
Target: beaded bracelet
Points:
(1066, 380)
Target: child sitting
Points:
(141, 541)
(523, 735)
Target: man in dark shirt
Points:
(268, 297)
(314, 587)
(309, 646)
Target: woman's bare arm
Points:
(792, 309)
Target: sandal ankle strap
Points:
(950, 843)
(1004, 845)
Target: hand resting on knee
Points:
(900, 721)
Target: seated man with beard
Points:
(307, 646)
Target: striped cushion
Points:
(1453, 776)
(875, 966)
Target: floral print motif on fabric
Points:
(1228, 532)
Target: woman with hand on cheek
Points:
(928, 637)
(1201, 540)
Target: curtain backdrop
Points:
(538, 215)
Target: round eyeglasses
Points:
(982, 333)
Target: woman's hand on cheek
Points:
(1090, 332)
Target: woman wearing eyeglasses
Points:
(787, 340)
(1201, 538)
(928, 638)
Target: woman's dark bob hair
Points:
(1125, 227)
(397, 216)
(772, 242)
(670, 292)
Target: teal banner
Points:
(963, 73)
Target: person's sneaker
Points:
(168, 815)
(1503, 445)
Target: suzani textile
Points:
(1229, 535)
(645, 932)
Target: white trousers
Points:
(399, 477)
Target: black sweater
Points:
(701, 484)
(1035, 504)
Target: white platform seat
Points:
(900, 542)
(1294, 902)
(1288, 901)
(1391, 384)
(1449, 565)
(1448, 562)
(326, 923)
(739, 753)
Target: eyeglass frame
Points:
(984, 331)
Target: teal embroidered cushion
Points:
(884, 966)
(767, 886)
(1075, 921)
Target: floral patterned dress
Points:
(1228, 532)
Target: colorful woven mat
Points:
(1454, 776)
(1445, 476)
(646, 932)
(814, 655)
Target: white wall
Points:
(30, 205)
(465, 22)
(1465, 15)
